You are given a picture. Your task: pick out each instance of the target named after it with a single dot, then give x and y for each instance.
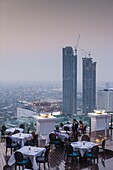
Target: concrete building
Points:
(89, 85)
(25, 112)
(105, 99)
(69, 81)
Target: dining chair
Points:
(94, 167)
(84, 129)
(34, 141)
(47, 146)
(102, 149)
(102, 145)
(3, 133)
(28, 130)
(66, 128)
(66, 143)
(4, 128)
(16, 131)
(20, 160)
(54, 140)
(93, 154)
(7, 167)
(29, 166)
(85, 138)
(70, 153)
(73, 137)
(44, 158)
(10, 144)
(22, 126)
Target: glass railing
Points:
(31, 122)
(16, 121)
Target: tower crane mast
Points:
(89, 54)
(77, 44)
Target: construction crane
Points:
(89, 54)
(77, 44)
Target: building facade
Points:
(105, 99)
(89, 85)
(69, 81)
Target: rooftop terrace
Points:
(57, 161)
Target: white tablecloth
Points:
(32, 153)
(13, 129)
(22, 137)
(82, 146)
(61, 135)
(68, 125)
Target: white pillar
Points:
(45, 125)
(99, 121)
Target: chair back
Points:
(85, 138)
(18, 156)
(103, 143)
(73, 137)
(28, 166)
(16, 131)
(78, 134)
(47, 146)
(46, 154)
(84, 130)
(22, 126)
(4, 128)
(8, 141)
(95, 151)
(94, 167)
(28, 130)
(66, 128)
(2, 132)
(52, 137)
(36, 140)
(66, 141)
(69, 149)
(7, 167)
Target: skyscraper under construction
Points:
(69, 81)
(89, 84)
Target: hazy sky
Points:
(33, 32)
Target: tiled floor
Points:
(57, 161)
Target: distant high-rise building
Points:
(69, 81)
(89, 85)
(105, 99)
(107, 85)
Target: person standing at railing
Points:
(81, 126)
(74, 126)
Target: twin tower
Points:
(69, 57)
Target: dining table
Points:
(31, 152)
(82, 146)
(69, 125)
(61, 135)
(13, 129)
(22, 137)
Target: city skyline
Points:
(33, 34)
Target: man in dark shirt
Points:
(74, 126)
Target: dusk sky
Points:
(33, 32)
